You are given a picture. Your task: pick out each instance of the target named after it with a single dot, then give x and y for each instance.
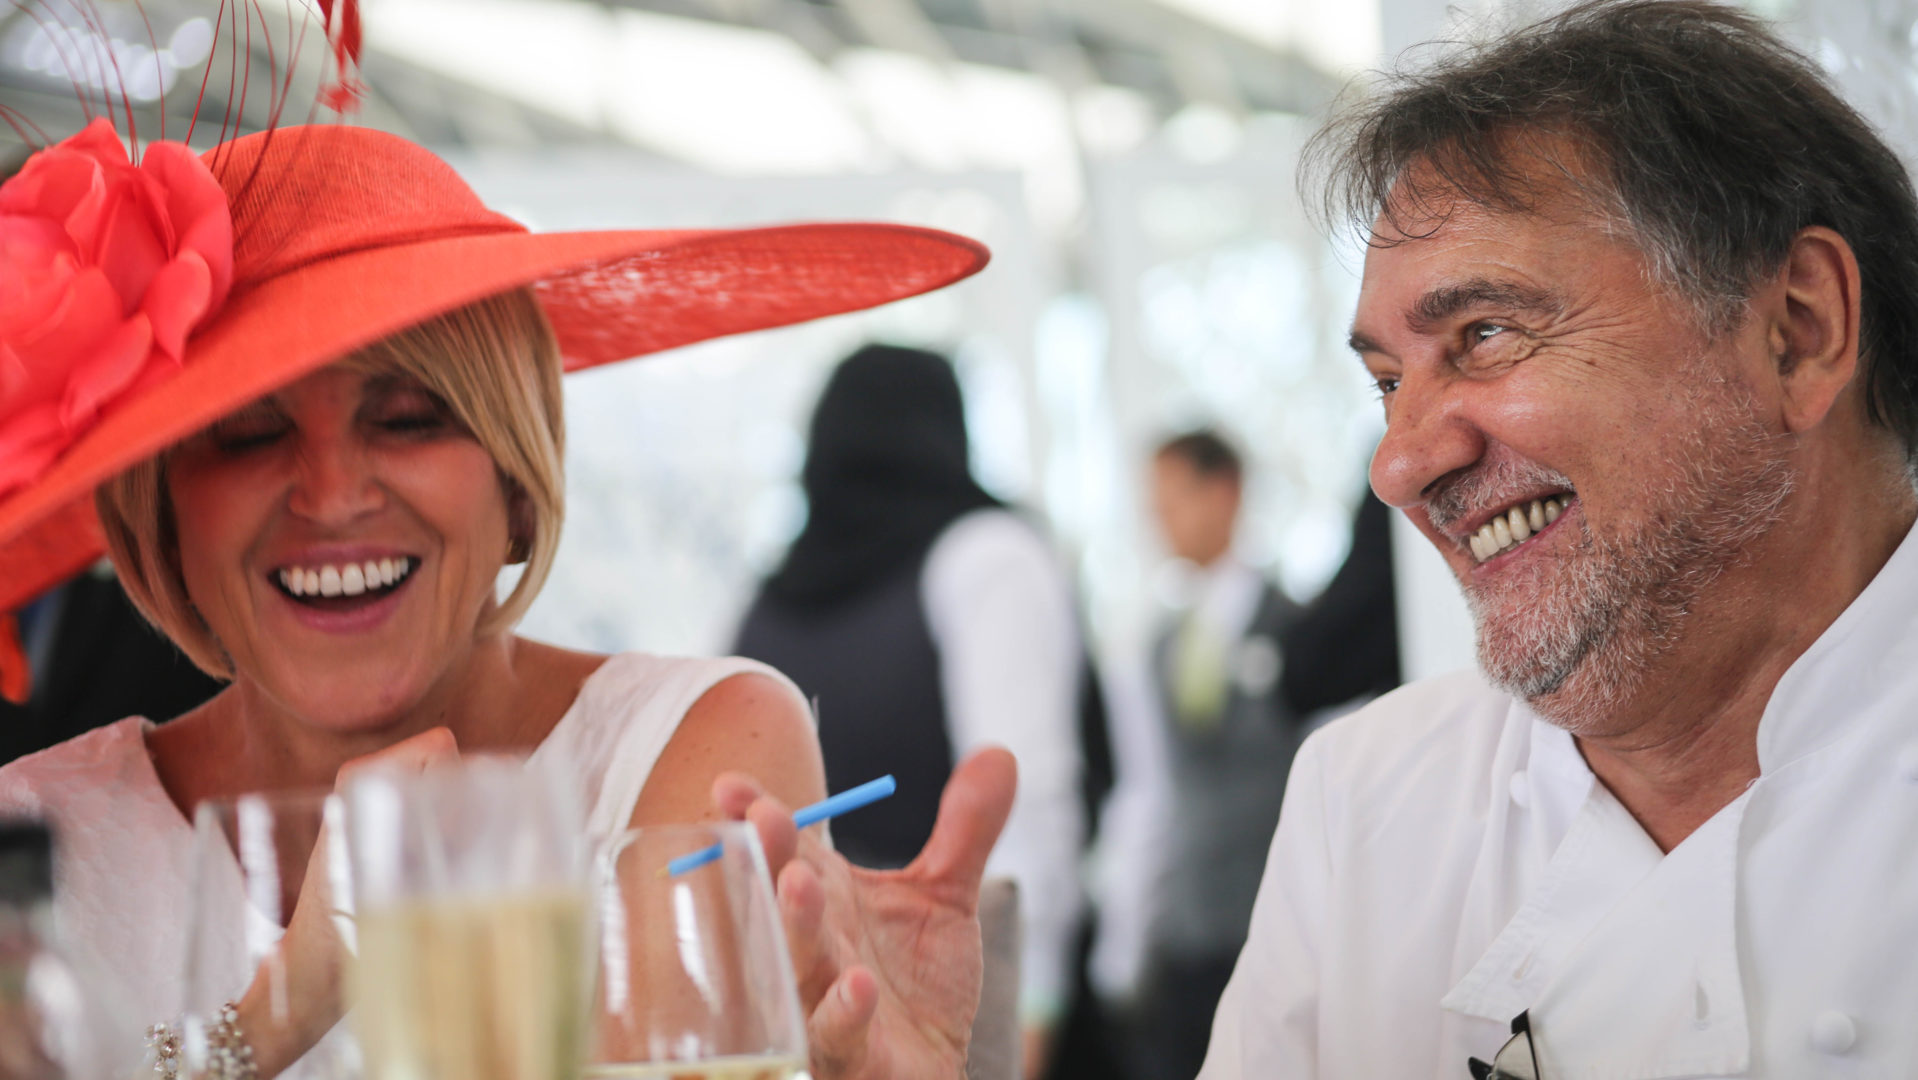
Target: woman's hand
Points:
(889, 963)
(298, 994)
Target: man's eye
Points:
(1385, 385)
(1479, 333)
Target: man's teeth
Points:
(352, 579)
(1514, 527)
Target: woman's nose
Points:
(1427, 436)
(334, 482)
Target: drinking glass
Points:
(471, 887)
(694, 979)
(256, 858)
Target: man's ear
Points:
(1815, 334)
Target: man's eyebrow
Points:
(1448, 301)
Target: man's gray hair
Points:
(1686, 124)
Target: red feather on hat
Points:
(343, 94)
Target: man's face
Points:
(1196, 511)
(1530, 359)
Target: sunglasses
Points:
(1516, 1060)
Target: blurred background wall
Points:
(1130, 162)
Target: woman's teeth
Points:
(351, 579)
(1514, 527)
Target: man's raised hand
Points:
(888, 962)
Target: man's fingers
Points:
(838, 1029)
(733, 793)
(802, 908)
(777, 837)
(971, 813)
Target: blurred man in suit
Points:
(1228, 739)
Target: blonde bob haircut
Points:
(495, 363)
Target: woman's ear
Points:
(521, 525)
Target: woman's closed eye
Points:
(247, 431)
(410, 411)
(412, 423)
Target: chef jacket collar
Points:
(1873, 641)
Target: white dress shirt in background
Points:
(1225, 597)
(1446, 860)
(1002, 616)
(1134, 827)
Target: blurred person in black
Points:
(925, 618)
(1343, 649)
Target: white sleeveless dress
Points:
(122, 894)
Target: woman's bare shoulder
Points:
(748, 722)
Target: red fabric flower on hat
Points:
(105, 269)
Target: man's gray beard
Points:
(1579, 635)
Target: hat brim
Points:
(609, 295)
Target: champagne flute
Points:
(470, 884)
(695, 982)
(257, 859)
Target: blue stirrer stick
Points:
(845, 802)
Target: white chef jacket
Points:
(1445, 860)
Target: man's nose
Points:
(1427, 436)
(334, 482)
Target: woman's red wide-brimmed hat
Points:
(339, 236)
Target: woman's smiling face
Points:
(360, 486)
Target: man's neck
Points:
(1685, 744)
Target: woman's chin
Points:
(360, 701)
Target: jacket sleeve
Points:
(1267, 1023)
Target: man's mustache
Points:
(1491, 485)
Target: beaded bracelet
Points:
(228, 1055)
(165, 1044)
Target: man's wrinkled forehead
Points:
(1463, 245)
(1457, 242)
(1547, 180)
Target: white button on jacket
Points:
(1833, 1032)
(1446, 860)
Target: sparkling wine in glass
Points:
(471, 888)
